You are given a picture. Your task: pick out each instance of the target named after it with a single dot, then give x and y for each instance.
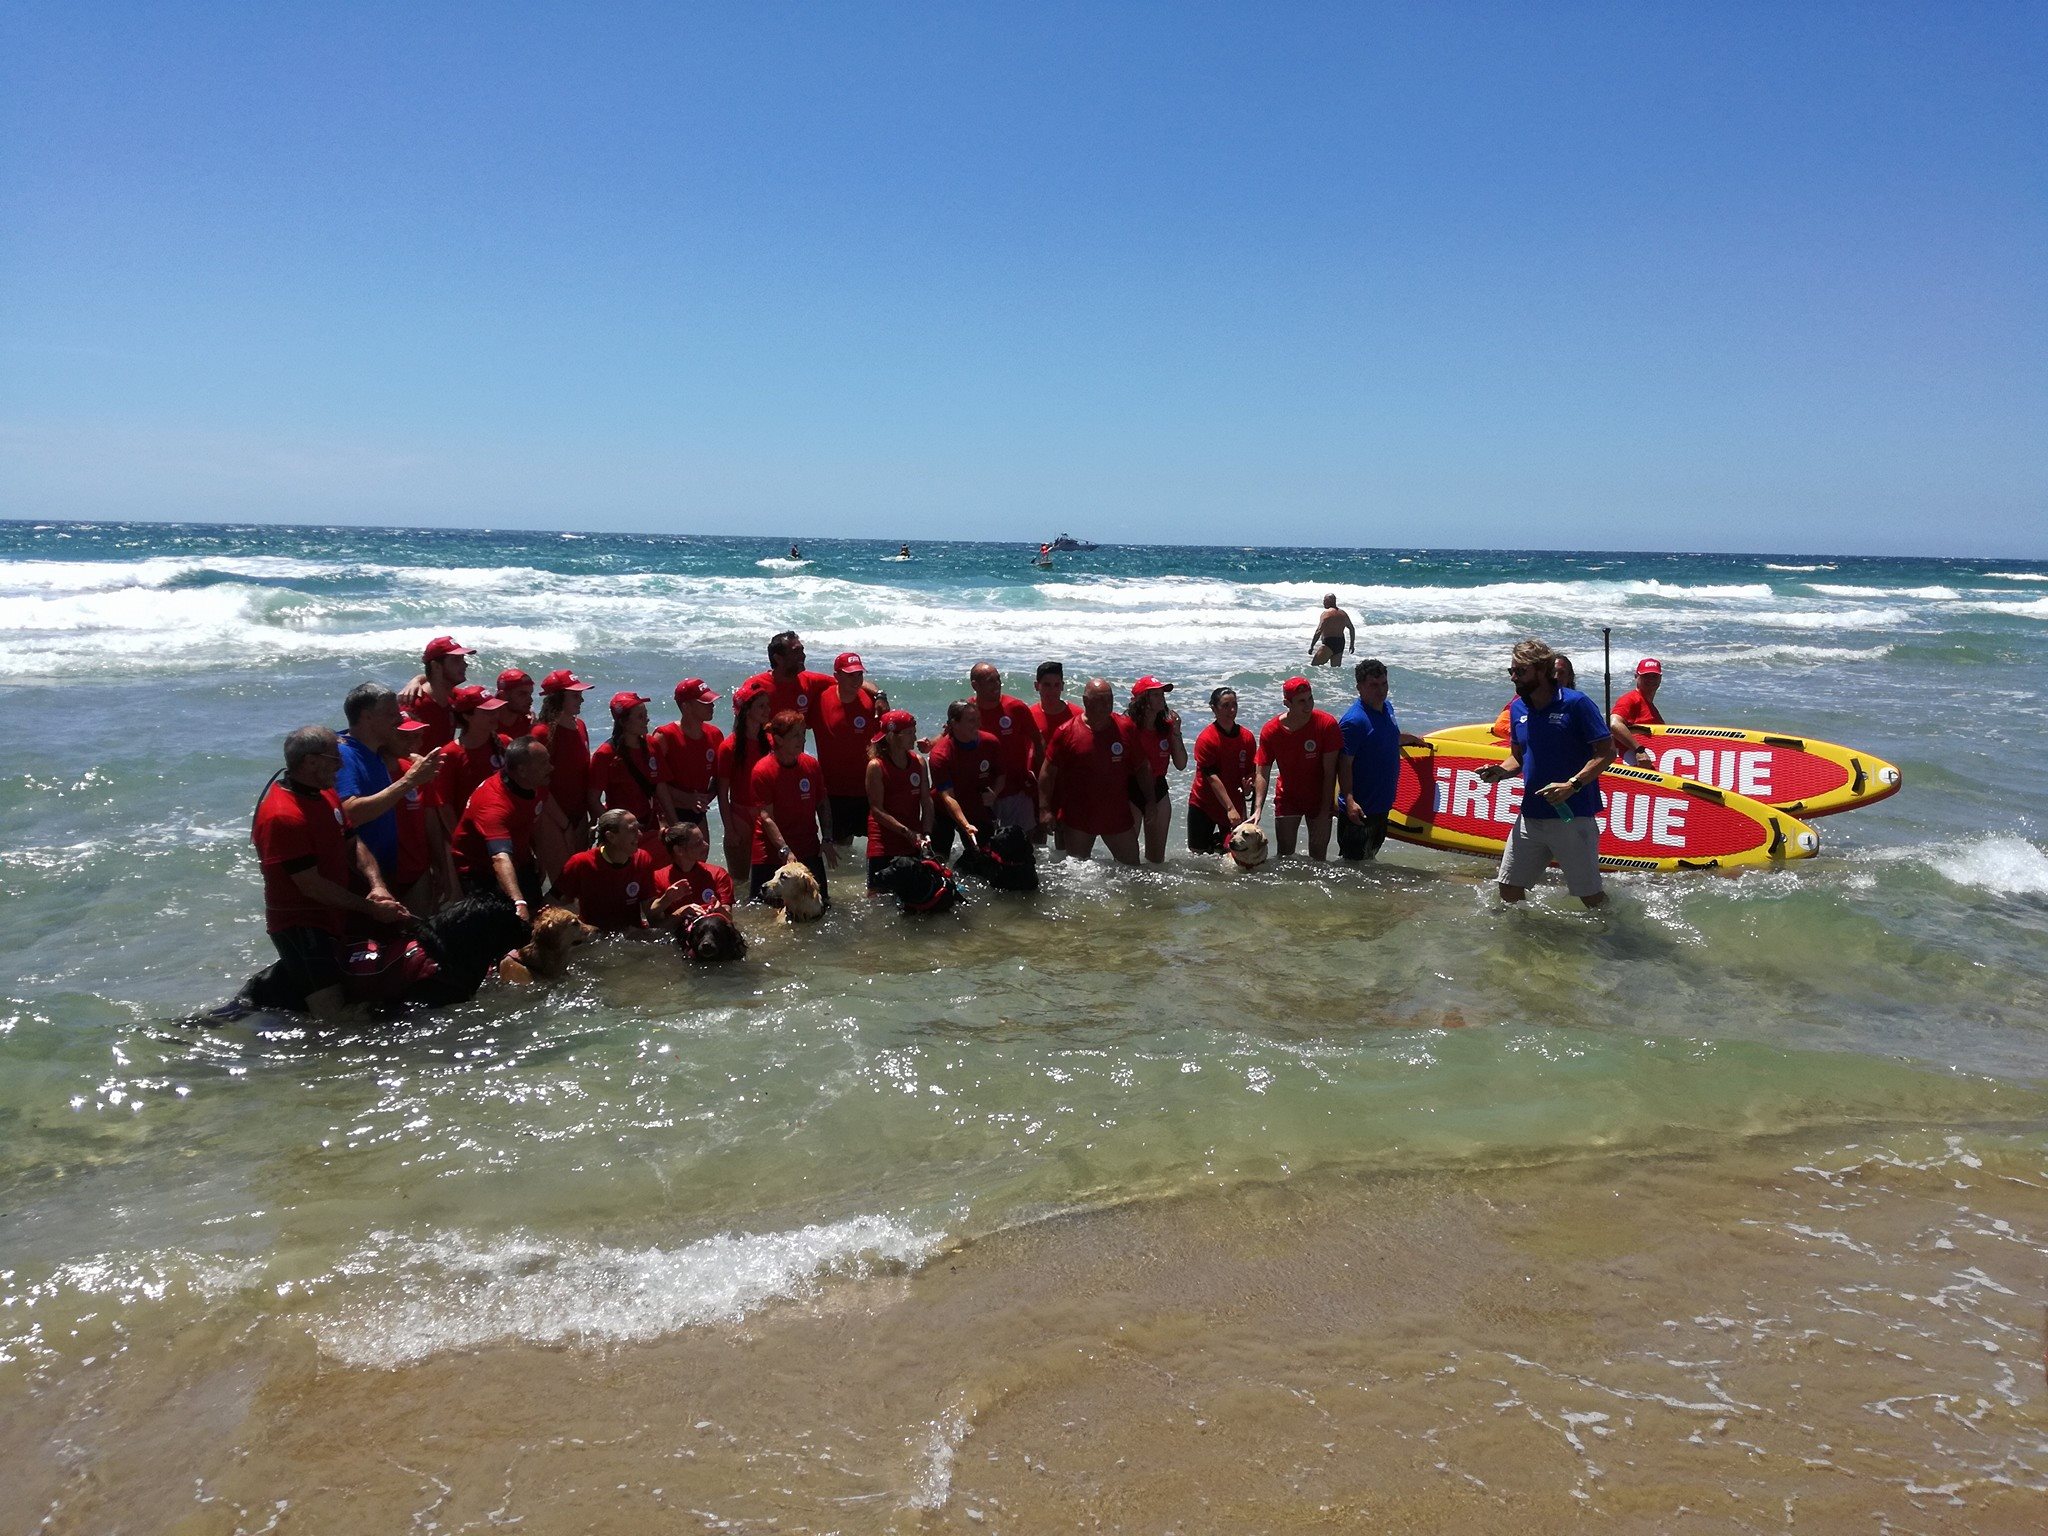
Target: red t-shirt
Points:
(568, 744)
(790, 795)
(800, 693)
(608, 895)
(436, 717)
(514, 723)
(844, 733)
(709, 885)
(1157, 744)
(689, 763)
(737, 760)
(968, 773)
(902, 796)
(611, 774)
(1095, 772)
(415, 852)
(496, 813)
(1634, 709)
(1048, 727)
(462, 769)
(1014, 727)
(298, 829)
(1234, 760)
(1299, 756)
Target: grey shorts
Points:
(1017, 810)
(1534, 843)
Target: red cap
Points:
(1150, 685)
(512, 677)
(848, 662)
(748, 691)
(899, 720)
(1650, 665)
(625, 703)
(1292, 686)
(562, 680)
(411, 727)
(694, 690)
(469, 698)
(444, 645)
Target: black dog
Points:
(1003, 858)
(919, 885)
(443, 961)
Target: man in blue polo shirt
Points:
(1369, 765)
(369, 794)
(1560, 744)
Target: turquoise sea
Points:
(645, 1154)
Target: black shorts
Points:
(849, 816)
(763, 873)
(306, 957)
(694, 817)
(1205, 833)
(1361, 840)
(944, 833)
(1138, 796)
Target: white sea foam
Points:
(453, 1293)
(1770, 567)
(2021, 608)
(1822, 618)
(1931, 594)
(2001, 863)
(2017, 575)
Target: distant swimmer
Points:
(1638, 707)
(1560, 746)
(795, 553)
(1095, 770)
(903, 553)
(1371, 765)
(1333, 629)
(1301, 749)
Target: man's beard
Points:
(1526, 687)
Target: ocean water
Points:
(873, 1112)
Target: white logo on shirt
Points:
(984, 765)
(338, 817)
(860, 722)
(803, 786)
(803, 701)
(633, 888)
(1116, 749)
(1309, 745)
(708, 895)
(916, 781)
(1003, 722)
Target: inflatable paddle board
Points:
(1652, 821)
(1794, 773)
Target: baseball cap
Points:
(562, 680)
(1150, 685)
(411, 727)
(694, 690)
(848, 661)
(470, 698)
(1651, 665)
(444, 645)
(1292, 686)
(899, 720)
(512, 677)
(748, 691)
(625, 703)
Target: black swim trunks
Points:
(1361, 840)
(1205, 833)
(307, 958)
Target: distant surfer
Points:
(1333, 630)
(1638, 707)
(1560, 746)
(903, 553)
(795, 553)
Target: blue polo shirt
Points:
(1554, 743)
(363, 773)
(1372, 740)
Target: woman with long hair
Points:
(899, 795)
(1159, 735)
(737, 754)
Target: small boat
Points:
(1068, 541)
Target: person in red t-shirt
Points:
(737, 755)
(1015, 729)
(1635, 708)
(899, 795)
(565, 819)
(516, 689)
(624, 770)
(792, 818)
(444, 666)
(686, 756)
(610, 885)
(425, 877)
(789, 685)
(967, 779)
(493, 844)
(1158, 732)
(1048, 714)
(689, 881)
(1095, 769)
(847, 718)
(1303, 746)
(310, 858)
(1226, 776)
(475, 754)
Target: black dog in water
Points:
(920, 885)
(1003, 858)
(444, 960)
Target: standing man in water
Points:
(1371, 763)
(1092, 768)
(790, 685)
(310, 855)
(443, 668)
(1638, 707)
(847, 718)
(1333, 629)
(1302, 748)
(1015, 728)
(1560, 746)
(370, 793)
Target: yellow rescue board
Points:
(1793, 773)
(1652, 821)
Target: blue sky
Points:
(1728, 276)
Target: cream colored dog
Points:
(794, 890)
(1246, 845)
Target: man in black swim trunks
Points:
(1333, 629)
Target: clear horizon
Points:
(1736, 281)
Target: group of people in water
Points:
(445, 792)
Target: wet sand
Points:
(1819, 1333)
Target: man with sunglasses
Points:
(1560, 745)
